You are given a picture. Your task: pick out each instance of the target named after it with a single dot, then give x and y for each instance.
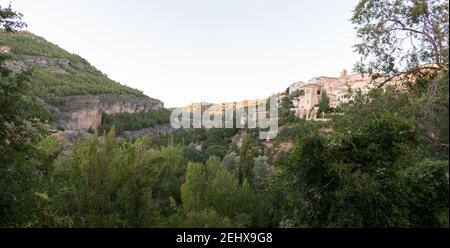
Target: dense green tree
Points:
(21, 168)
(370, 159)
(427, 193)
(84, 183)
(102, 183)
(246, 160)
(284, 112)
(263, 171)
(324, 103)
(134, 121)
(216, 150)
(212, 189)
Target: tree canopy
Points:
(401, 37)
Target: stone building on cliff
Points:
(308, 94)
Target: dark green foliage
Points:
(53, 87)
(210, 189)
(216, 150)
(200, 144)
(21, 169)
(218, 136)
(263, 171)
(113, 185)
(285, 114)
(286, 102)
(291, 131)
(427, 189)
(371, 159)
(246, 162)
(193, 154)
(134, 121)
(324, 103)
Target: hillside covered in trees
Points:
(55, 72)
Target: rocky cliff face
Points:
(64, 71)
(80, 112)
(52, 65)
(85, 111)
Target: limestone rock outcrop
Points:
(85, 111)
(76, 94)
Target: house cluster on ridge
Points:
(308, 93)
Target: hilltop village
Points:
(307, 94)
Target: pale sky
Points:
(184, 51)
